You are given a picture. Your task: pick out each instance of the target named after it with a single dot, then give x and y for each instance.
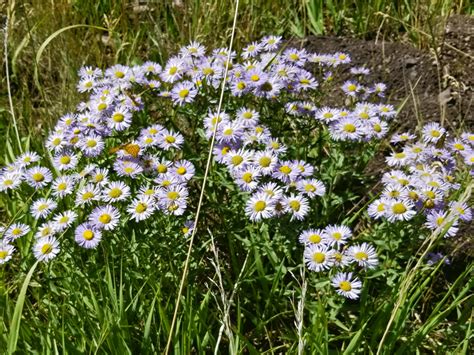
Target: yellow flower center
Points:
(295, 205)
(351, 87)
(294, 56)
(64, 219)
(285, 169)
(260, 206)
(62, 186)
(141, 207)
(364, 115)
(115, 192)
(241, 85)
(265, 162)
(42, 207)
(3, 254)
(16, 231)
(345, 286)
(56, 141)
(435, 133)
(377, 128)
(439, 220)
(162, 168)
(247, 115)
(319, 257)
(105, 218)
(309, 188)
(102, 106)
(183, 93)
(337, 236)
(399, 208)
(328, 115)
(46, 249)
(119, 74)
(315, 238)
(38, 177)
(247, 177)
(88, 234)
(236, 160)
(360, 255)
(181, 170)
(173, 70)
(170, 139)
(349, 127)
(65, 160)
(228, 131)
(255, 77)
(173, 195)
(129, 169)
(118, 117)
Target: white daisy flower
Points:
(64, 220)
(337, 234)
(141, 208)
(46, 249)
(63, 185)
(400, 210)
(65, 161)
(6, 252)
(87, 236)
(296, 205)
(311, 187)
(15, 231)
(313, 237)
(318, 257)
(115, 191)
(378, 208)
(169, 139)
(42, 208)
(265, 161)
(27, 159)
(120, 119)
(10, 181)
(100, 176)
(87, 194)
(46, 230)
(364, 255)
(106, 217)
(432, 132)
(38, 177)
(346, 285)
(259, 206)
(272, 190)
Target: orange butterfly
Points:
(130, 148)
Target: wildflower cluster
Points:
(326, 250)
(425, 175)
(254, 158)
(98, 177)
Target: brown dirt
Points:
(443, 83)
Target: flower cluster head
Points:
(328, 250)
(425, 173)
(255, 159)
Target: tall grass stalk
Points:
(203, 187)
(7, 75)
